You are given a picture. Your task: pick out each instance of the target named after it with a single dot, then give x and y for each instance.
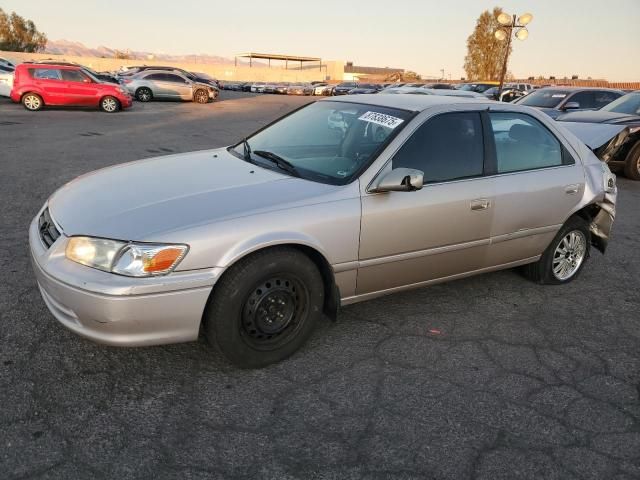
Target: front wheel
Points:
(109, 104)
(201, 96)
(265, 307)
(632, 163)
(565, 257)
(32, 102)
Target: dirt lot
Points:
(522, 381)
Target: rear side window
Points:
(447, 147)
(72, 75)
(523, 143)
(155, 76)
(45, 73)
(170, 77)
(584, 99)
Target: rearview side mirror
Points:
(399, 180)
(572, 106)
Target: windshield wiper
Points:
(280, 162)
(246, 150)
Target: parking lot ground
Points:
(491, 377)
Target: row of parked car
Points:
(36, 84)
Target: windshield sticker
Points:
(558, 95)
(388, 121)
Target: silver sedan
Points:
(344, 200)
(150, 84)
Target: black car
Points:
(365, 88)
(344, 88)
(623, 149)
(555, 101)
(440, 86)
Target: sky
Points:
(566, 37)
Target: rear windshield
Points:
(629, 104)
(544, 98)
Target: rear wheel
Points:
(32, 102)
(632, 163)
(565, 257)
(265, 307)
(109, 104)
(144, 94)
(201, 96)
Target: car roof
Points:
(45, 66)
(576, 89)
(416, 103)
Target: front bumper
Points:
(117, 310)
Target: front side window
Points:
(72, 76)
(329, 142)
(170, 77)
(447, 147)
(154, 76)
(584, 99)
(523, 143)
(45, 73)
(602, 98)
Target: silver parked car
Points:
(344, 200)
(150, 84)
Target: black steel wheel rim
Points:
(274, 312)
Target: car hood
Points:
(594, 135)
(141, 200)
(599, 116)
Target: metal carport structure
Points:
(274, 56)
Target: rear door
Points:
(536, 184)
(81, 90)
(49, 81)
(439, 231)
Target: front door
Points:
(437, 232)
(80, 89)
(175, 86)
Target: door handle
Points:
(572, 189)
(480, 204)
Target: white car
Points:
(6, 77)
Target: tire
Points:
(32, 102)
(575, 239)
(632, 163)
(201, 96)
(265, 307)
(144, 94)
(109, 104)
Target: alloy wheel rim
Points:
(109, 104)
(273, 312)
(201, 97)
(569, 255)
(144, 95)
(32, 102)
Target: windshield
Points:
(629, 103)
(544, 98)
(328, 142)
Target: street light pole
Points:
(508, 24)
(506, 56)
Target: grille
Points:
(48, 231)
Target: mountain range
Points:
(67, 47)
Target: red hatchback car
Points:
(36, 85)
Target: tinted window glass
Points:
(72, 76)
(585, 99)
(603, 98)
(155, 76)
(523, 143)
(446, 147)
(170, 77)
(45, 74)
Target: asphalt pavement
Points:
(491, 377)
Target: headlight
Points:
(130, 259)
